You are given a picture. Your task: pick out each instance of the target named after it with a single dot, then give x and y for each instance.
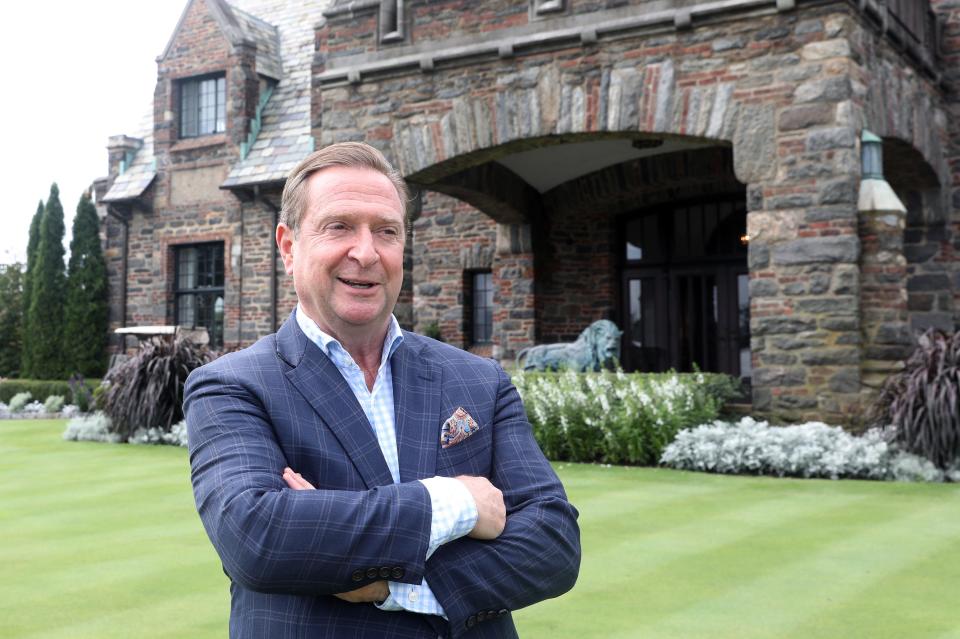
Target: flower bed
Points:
(813, 449)
(617, 418)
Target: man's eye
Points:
(337, 226)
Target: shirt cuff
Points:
(412, 598)
(454, 511)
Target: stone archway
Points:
(787, 90)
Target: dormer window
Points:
(203, 106)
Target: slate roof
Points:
(284, 137)
(267, 38)
(134, 181)
(284, 33)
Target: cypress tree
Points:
(26, 341)
(11, 318)
(85, 314)
(47, 284)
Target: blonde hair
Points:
(346, 154)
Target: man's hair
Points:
(346, 154)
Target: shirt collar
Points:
(333, 349)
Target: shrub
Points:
(146, 391)
(922, 402)
(19, 401)
(176, 436)
(100, 395)
(94, 428)
(40, 389)
(80, 393)
(615, 417)
(53, 404)
(806, 450)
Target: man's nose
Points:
(364, 251)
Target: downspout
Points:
(111, 211)
(240, 284)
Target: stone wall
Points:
(449, 239)
(790, 91)
(949, 13)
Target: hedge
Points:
(39, 389)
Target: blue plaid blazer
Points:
(281, 402)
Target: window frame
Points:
(219, 107)
(210, 292)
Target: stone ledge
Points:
(354, 68)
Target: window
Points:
(478, 308)
(203, 106)
(198, 289)
(543, 7)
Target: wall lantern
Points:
(871, 156)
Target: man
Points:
(358, 480)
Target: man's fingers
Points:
(375, 592)
(296, 481)
(491, 511)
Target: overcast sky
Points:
(75, 73)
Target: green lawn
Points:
(100, 541)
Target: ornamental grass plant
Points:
(618, 418)
(922, 403)
(146, 391)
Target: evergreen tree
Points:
(85, 314)
(26, 342)
(11, 318)
(47, 284)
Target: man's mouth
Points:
(357, 283)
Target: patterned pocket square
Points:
(457, 428)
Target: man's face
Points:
(347, 258)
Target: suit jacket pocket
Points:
(470, 448)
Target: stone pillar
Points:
(514, 324)
(883, 293)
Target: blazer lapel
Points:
(321, 384)
(416, 395)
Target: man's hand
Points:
(491, 512)
(375, 592)
(296, 480)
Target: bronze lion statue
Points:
(597, 346)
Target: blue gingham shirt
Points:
(454, 510)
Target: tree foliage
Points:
(26, 337)
(47, 289)
(11, 318)
(85, 313)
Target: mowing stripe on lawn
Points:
(102, 541)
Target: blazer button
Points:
(397, 572)
(491, 614)
(503, 611)
(481, 616)
(471, 621)
(357, 575)
(385, 573)
(372, 573)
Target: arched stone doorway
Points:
(782, 94)
(566, 229)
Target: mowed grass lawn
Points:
(102, 541)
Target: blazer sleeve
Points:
(274, 539)
(538, 554)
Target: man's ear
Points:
(285, 237)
